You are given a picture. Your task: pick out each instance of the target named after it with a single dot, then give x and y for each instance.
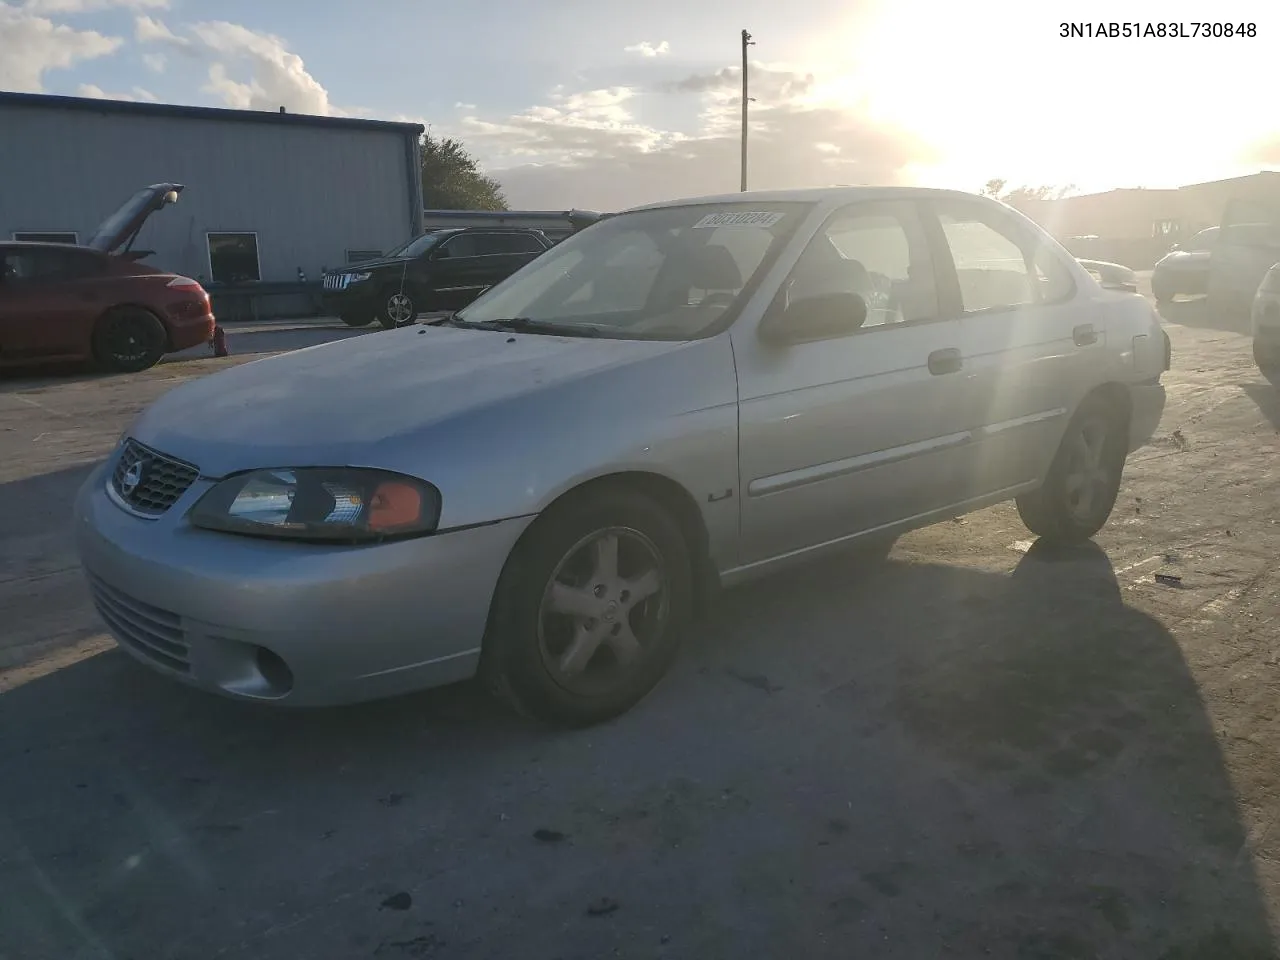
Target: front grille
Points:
(148, 481)
(154, 633)
(336, 281)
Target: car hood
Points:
(371, 265)
(359, 402)
(126, 222)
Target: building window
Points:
(233, 258)
(360, 256)
(49, 236)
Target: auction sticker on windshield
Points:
(744, 219)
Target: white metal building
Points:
(268, 195)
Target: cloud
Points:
(151, 30)
(647, 49)
(764, 83)
(274, 76)
(68, 7)
(588, 149)
(32, 45)
(97, 93)
(155, 62)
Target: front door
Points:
(1248, 246)
(1028, 345)
(466, 265)
(844, 435)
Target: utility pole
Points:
(746, 42)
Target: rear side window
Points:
(50, 264)
(997, 265)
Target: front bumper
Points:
(1147, 407)
(298, 624)
(357, 299)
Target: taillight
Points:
(185, 283)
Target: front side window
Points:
(670, 274)
(48, 265)
(878, 251)
(233, 258)
(998, 268)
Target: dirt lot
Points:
(975, 749)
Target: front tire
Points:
(398, 309)
(1080, 491)
(589, 610)
(128, 340)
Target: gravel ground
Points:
(975, 749)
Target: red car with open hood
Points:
(97, 301)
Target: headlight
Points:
(330, 504)
(357, 277)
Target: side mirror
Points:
(814, 318)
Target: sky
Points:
(599, 104)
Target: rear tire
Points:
(397, 310)
(1162, 291)
(357, 320)
(1268, 361)
(1080, 491)
(581, 631)
(129, 340)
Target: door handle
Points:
(944, 361)
(1084, 335)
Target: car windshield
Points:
(670, 273)
(418, 245)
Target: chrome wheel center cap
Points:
(611, 611)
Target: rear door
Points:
(49, 298)
(1248, 245)
(1027, 343)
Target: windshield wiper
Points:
(528, 325)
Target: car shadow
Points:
(1198, 312)
(904, 759)
(1267, 397)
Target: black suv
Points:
(440, 270)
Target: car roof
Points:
(816, 195)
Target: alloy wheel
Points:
(604, 606)
(1088, 478)
(400, 308)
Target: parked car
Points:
(440, 270)
(97, 301)
(1112, 276)
(543, 487)
(1266, 325)
(1184, 270)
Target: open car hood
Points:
(121, 227)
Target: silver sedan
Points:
(543, 488)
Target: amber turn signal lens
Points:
(393, 505)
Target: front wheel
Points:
(1080, 491)
(589, 610)
(129, 340)
(397, 309)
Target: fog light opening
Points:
(274, 671)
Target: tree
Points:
(996, 188)
(452, 178)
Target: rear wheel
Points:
(357, 319)
(1080, 491)
(589, 610)
(398, 309)
(1268, 360)
(128, 340)
(1161, 290)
